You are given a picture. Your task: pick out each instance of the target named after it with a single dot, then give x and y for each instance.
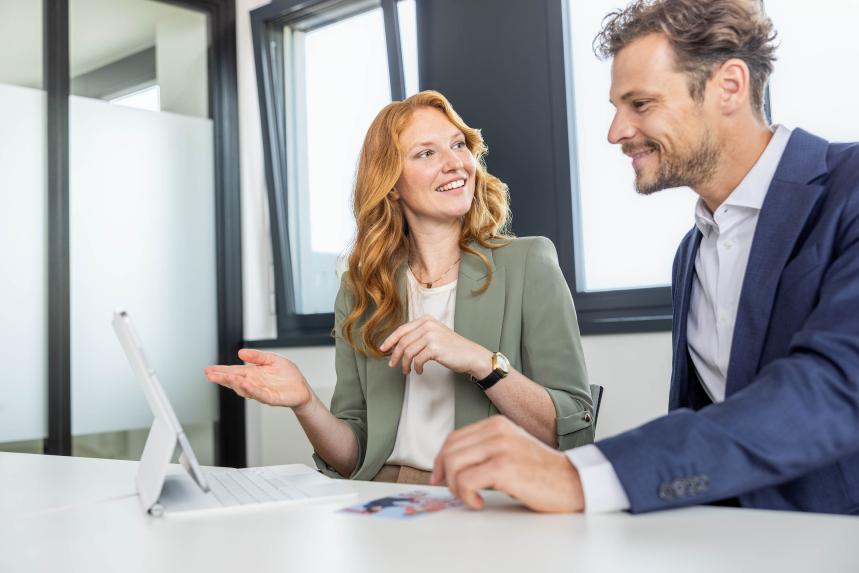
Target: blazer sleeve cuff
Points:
(573, 422)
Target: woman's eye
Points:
(459, 145)
(424, 154)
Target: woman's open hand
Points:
(267, 378)
(423, 339)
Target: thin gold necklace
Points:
(428, 284)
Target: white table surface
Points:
(78, 514)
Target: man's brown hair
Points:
(703, 35)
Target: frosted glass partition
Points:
(624, 240)
(23, 280)
(814, 83)
(142, 237)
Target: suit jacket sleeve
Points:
(348, 403)
(551, 346)
(800, 412)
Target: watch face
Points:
(502, 363)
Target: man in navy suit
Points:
(764, 401)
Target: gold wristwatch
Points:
(500, 369)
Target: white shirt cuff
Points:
(601, 486)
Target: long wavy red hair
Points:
(381, 243)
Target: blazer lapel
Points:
(789, 201)
(679, 393)
(385, 392)
(478, 318)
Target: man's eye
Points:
(640, 104)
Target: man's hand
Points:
(496, 453)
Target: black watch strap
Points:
(488, 382)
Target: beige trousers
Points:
(403, 474)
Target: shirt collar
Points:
(752, 190)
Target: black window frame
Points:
(267, 24)
(230, 447)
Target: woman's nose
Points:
(452, 160)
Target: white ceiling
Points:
(100, 32)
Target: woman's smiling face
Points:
(437, 181)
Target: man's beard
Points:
(690, 170)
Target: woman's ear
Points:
(394, 194)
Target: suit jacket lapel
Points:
(680, 378)
(477, 318)
(789, 201)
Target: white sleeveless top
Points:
(427, 415)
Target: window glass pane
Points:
(813, 85)
(623, 240)
(23, 229)
(409, 44)
(142, 220)
(340, 81)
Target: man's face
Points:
(657, 123)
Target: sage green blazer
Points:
(526, 313)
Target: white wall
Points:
(634, 369)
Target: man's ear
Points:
(733, 85)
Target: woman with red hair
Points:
(442, 319)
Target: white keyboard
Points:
(258, 485)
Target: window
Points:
(326, 70)
(813, 83)
(324, 135)
(409, 44)
(622, 267)
(616, 246)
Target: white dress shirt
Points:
(720, 267)
(427, 416)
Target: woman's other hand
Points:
(423, 339)
(266, 377)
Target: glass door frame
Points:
(230, 446)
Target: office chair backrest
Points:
(596, 396)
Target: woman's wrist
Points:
(482, 365)
(303, 410)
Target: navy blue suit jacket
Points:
(787, 434)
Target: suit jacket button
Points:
(666, 492)
(587, 417)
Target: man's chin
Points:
(645, 187)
